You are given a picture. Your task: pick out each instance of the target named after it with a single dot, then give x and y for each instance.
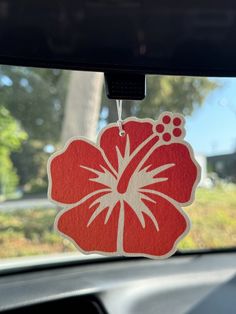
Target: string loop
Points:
(119, 121)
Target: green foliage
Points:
(11, 137)
(35, 97)
(174, 93)
(166, 93)
(30, 162)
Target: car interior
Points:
(128, 42)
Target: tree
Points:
(171, 93)
(82, 105)
(11, 137)
(35, 97)
(53, 105)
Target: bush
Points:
(11, 137)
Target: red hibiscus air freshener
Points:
(124, 194)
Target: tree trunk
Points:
(82, 105)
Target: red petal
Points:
(98, 236)
(181, 177)
(172, 224)
(69, 181)
(110, 138)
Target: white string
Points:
(119, 109)
(119, 121)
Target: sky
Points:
(211, 130)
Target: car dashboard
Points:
(194, 283)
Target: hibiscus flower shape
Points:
(123, 195)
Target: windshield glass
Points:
(40, 109)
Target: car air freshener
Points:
(123, 196)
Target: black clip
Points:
(123, 85)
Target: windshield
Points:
(40, 109)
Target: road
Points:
(31, 203)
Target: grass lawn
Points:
(213, 216)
